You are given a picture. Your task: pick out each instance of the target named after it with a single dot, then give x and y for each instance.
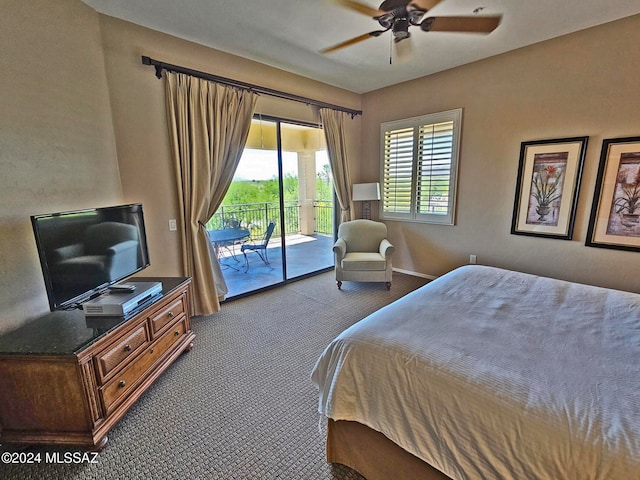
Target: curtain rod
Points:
(159, 66)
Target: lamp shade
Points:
(366, 191)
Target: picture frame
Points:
(615, 211)
(547, 187)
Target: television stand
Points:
(66, 380)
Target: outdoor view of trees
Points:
(253, 203)
(266, 191)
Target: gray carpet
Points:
(241, 404)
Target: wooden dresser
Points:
(67, 379)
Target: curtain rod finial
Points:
(158, 65)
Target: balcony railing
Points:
(323, 212)
(256, 216)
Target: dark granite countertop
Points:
(68, 332)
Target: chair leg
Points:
(233, 251)
(388, 285)
(339, 283)
(264, 257)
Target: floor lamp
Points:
(365, 192)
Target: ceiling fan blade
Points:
(346, 43)
(360, 7)
(486, 24)
(424, 5)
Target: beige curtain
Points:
(208, 128)
(333, 125)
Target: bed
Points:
(486, 373)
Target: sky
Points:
(263, 164)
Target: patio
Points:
(305, 254)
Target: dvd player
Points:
(115, 303)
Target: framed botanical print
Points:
(615, 213)
(547, 187)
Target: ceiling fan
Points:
(399, 15)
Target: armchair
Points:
(363, 253)
(107, 251)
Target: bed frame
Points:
(381, 459)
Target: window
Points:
(419, 168)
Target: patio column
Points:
(307, 190)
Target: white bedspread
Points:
(491, 374)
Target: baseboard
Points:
(415, 274)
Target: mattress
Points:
(489, 373)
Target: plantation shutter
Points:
(398, 171)
(435, 153)
(419, 168)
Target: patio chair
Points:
(260, 248)
(231, 223)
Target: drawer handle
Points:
(177, 333)
(121, 383)
(127, 348)
(170, 314)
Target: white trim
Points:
(415, 123)
(415, 274)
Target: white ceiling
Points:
(288, 34)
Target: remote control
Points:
(122, 288)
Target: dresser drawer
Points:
(167, 315)
(117, 354)
(127, 379)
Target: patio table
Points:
(226, 237)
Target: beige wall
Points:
(57, 149)
(586, 83)
(137, 100)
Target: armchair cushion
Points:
(364, 261)
(67, 252)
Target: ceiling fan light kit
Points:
(401, 29)
(399, 15)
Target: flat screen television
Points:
(83, 252)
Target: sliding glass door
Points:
(308, 192)
(284, 181)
